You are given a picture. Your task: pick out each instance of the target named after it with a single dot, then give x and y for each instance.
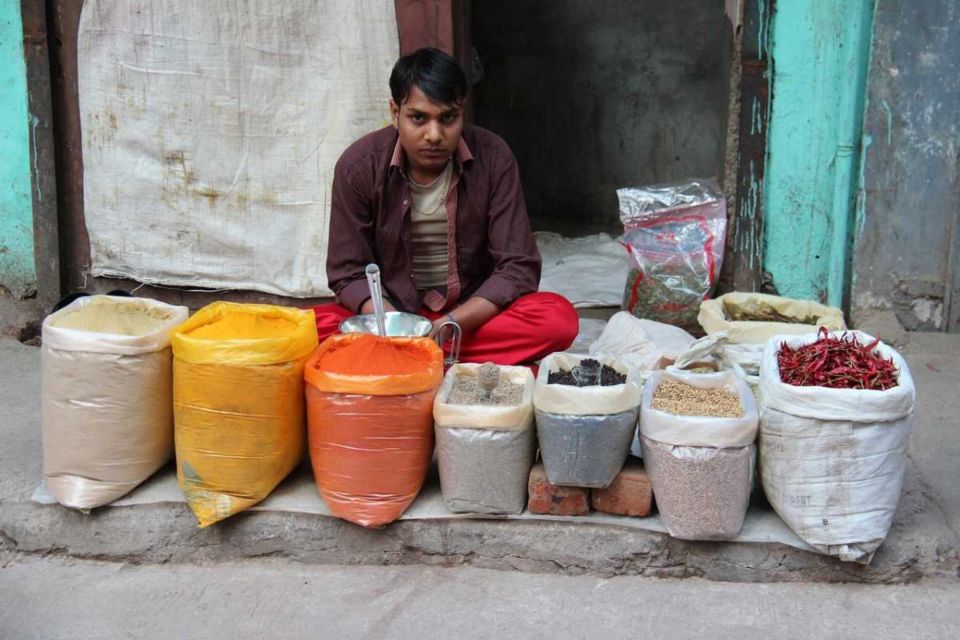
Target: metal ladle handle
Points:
(376, 296)
(456, 333)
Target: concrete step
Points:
(923, 543)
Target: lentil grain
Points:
(679, 398)
(702, 493)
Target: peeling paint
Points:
(749, 212)
(868, 300)
(928, 310)
(861, 220)
(34, 122)
(886, 109)
(756, 117)
(762, 33)
(928, 59)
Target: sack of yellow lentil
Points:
(239, 403)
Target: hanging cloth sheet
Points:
(211, 130)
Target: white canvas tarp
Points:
(211, 130)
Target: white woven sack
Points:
(597, 400)
(700, 431)
(639, 343)
(832, 460)
(106, 400)
(473, 416)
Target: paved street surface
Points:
(54, 598)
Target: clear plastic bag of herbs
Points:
(674, 236)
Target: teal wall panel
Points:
(17, 266)
(821, 51)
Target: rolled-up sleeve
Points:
(350, 240)
(517, 261)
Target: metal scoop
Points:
(488, 379)
(376, 296)
(587, 373)
(396, 323)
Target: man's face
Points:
(429, 132)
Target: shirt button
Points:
(405, 202)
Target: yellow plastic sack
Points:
(239, 403)
(754, 318)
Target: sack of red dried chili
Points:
(832, 450)
(838, 362)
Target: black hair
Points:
(432, 71)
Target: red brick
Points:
(550, 499)
(628, 495)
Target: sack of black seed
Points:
(697, 433)
(674, 236)
(586, 412)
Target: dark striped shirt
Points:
(491, 246)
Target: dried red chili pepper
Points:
(838, 363)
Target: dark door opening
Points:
(593, 96)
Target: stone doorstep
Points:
(921, 545)
(167, 531)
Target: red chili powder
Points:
(370, 355)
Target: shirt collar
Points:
(460, 156)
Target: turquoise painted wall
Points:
(17, 267)
(821, 53)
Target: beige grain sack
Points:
(107, 407)
(773, 316)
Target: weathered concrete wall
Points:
(820, 51)
(592, 96)
(17, 268)
(907, 240)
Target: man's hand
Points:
(367, 306)
(471, 315)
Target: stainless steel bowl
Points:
(397, 323)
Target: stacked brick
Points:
(629, 494)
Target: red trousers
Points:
(534, 326)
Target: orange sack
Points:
(370, 422)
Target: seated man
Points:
(439, 207)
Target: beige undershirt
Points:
(429, 218)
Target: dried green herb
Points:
(668, 294)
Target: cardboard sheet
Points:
(211, 129)
(298, 494)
